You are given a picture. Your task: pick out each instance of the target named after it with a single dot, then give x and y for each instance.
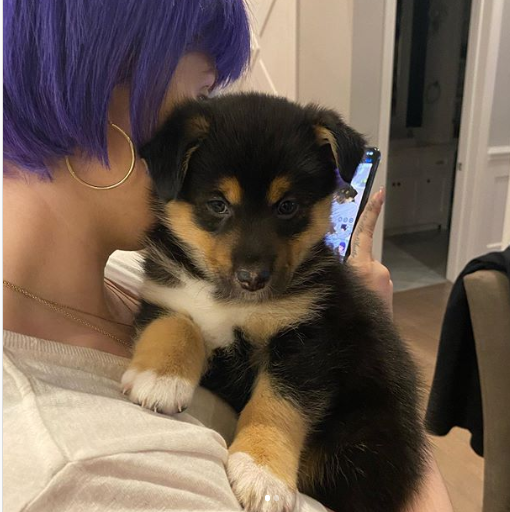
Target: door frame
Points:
(389, 21)
(473, 149)
(371, 84)
(505, 241)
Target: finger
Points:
(362, 239)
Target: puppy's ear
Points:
(169, 153)
(341, 146)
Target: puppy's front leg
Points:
(167, 364)
(264, 457)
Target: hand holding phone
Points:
(349, 201)
(374, 274)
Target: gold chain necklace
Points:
(118, 293)
(65, 311)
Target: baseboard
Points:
(412, 229)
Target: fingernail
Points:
(381, 195)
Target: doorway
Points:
(430, 52)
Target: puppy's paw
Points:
(256, 488)
(165, 393)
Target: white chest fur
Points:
(218, 320)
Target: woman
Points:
(84, 82)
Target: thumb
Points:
(362, 239)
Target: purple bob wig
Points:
(63, 58)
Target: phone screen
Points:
(348, 203)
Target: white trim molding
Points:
(501, 155)
(505, 242)
(498, 197)
(388, 50)
(469, 215)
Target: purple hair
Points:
(63, 58)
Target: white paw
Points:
(168, 394)
(256, 488)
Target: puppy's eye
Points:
(218, 207)
(287, 209)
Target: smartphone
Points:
(349, 201)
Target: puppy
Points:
(242, 296)
(346, 194)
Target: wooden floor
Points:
(418, 314)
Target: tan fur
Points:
(319, 224)
(278, 188)
(197, 127)
(231, 189)
(272, 431)
(324, 136)
(187, 158)
(171, 346)
(273, 316)
(215, 249)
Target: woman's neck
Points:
(53, 247)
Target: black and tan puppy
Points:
(242, 295)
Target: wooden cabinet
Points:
(419, 188)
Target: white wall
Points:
(325, 53)
(367, 67)
(273, 66)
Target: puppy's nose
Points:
(253, 280)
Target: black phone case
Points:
(366, 193)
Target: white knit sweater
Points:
(73, 442)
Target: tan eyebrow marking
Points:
(231, 189)
(278, 188)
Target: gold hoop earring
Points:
(115, 185)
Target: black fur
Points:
(347, 370)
